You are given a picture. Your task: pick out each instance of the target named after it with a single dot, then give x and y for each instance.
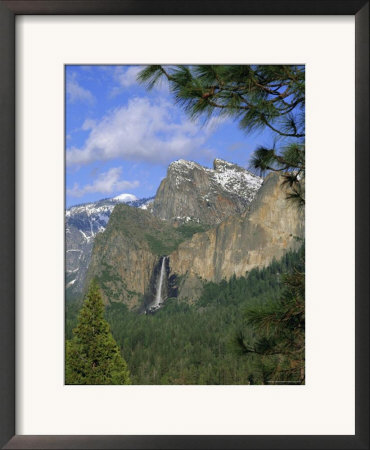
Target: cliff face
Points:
(121, 264)
(271, 226)
(126, 256)
(193, 193)
(83, 223)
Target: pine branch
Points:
(296, 135)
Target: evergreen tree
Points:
(280, 333)
(257, 96)
(92, 356)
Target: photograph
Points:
(184, 224)
(184, 285)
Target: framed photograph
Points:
(178, 271)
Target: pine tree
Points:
(92, 356)
(257, 96)
(279, 337)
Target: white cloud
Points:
(88, 124)
(106, 183)
(126, 198)
(127, 78)
(141, 131)
(75, 92)
(213, 123)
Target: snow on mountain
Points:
(92, 218)
(83, 222)
(125, 198)
(235, 179)
(227, 176)
(191, 192)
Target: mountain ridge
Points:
(82, 223)
(127, 254)
(193, 193)
(270, 227)
(136, 242)
(212, 194)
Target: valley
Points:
(197, 343)
(191, 270)
(177, 271)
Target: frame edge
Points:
(7, 268)
(7, 224)
(362, 226)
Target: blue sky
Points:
(120, 137)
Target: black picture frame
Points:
(8, 11)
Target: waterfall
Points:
(158, 297)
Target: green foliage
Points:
(205, 342)
(107, 274)
(188, 229)
(110, 282)
(180, 344)
(73, 306)
(133, 229)
(159, 245)
(165, 242)
(142, 227)
(195, 344)
(92, 356)
(258, 97)
(290, 163)
(258, 286)
(279, 333)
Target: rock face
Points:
(191, 192)
(269, 228)
(126, 258)
(82, 224)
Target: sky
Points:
(120, 137)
